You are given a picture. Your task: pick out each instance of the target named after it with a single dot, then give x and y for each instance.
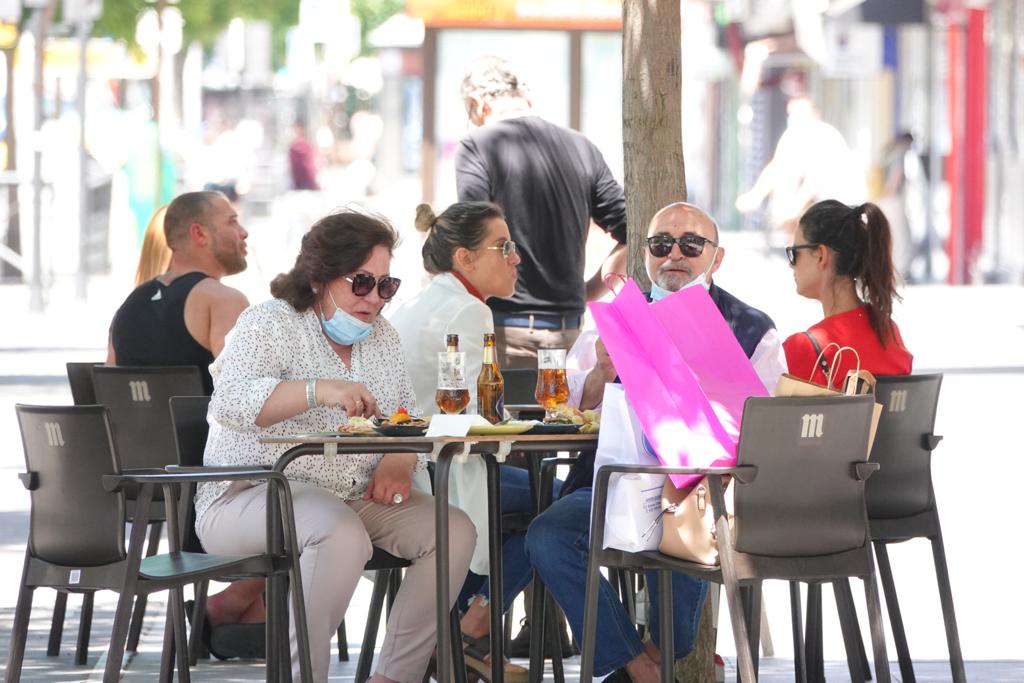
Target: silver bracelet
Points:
(311, 394)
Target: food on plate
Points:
(402, 418)
(591, 422)
(356, 425)
(399, 416)
(564, 413)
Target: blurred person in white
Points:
(469, 252)
(811, 162)
(309, 360)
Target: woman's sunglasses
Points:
(363, 284)
(691, 245)
(792, 251)
(507, 249)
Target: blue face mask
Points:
(343, 328)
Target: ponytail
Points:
(861, 241)
(877, 276)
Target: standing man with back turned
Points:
(182, 318)
(551, 182)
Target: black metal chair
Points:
(77, 534)
(82, 393)
(799, 515)
(901, 500)
(191, 428)
(138, 401)
(80, 381)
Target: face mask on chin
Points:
(343, 328)
(659, 293)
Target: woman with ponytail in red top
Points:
(842, 257)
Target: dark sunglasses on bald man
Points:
(363, 284)
(692, 245)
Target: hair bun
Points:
(425, 217)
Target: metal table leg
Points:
(497, 598)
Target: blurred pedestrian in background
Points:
(811, 162)
(302, 159)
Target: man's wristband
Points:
(311, 394)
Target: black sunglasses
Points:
(363, 284)
(791, 251)
(690, 244)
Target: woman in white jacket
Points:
(472, 257)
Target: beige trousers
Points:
(336, 539)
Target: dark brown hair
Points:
(335, 246)
(183, 211)
(861, 240)
(463, 224)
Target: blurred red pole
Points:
(975, 134)
(954, 166)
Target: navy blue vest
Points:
(746, 322)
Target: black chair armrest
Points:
(158, 477)
(745, 474)
(30, 480)
(930, 441)
(861, 470)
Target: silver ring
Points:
(397, 498)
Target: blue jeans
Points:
(557, 546)
(516, 571)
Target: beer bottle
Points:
(452, 343)
(490, 385)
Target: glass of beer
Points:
(552, 387)
(452, 394)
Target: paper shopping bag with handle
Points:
(691, 415)
(632, 515)
(856, 382)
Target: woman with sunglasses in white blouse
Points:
(472, 258)
(315, 356)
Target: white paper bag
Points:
(633, 515)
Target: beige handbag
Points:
(688, 522)
(855, 383)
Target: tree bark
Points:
(652, 140)
(699, 665)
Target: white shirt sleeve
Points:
(579, 362)
(769, 360)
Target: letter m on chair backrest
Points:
(810, 425)
(54, 437)
(137, 398)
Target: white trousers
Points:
(336, 539)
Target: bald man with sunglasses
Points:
(683, 250)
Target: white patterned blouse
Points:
(272, 342)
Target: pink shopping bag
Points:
(684, 373)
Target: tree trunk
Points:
(699, 665)
(652, 142)
(652, 139)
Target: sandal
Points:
(477, 650)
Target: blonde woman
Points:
(156, 255)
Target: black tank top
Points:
(149, 328)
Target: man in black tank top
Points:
(182, 318)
